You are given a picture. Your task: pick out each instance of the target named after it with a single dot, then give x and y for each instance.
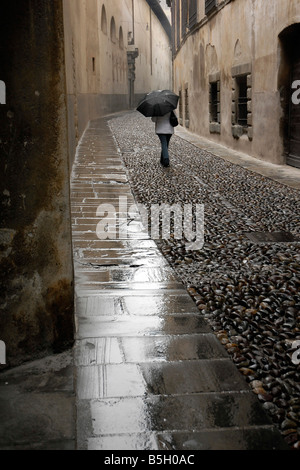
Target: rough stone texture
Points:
(37, 405)
(35, 238)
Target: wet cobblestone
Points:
(247, 291)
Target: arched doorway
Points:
(289, 73)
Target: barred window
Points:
(184, 17)
(214, 102)
(187, 107)
(210, 5)
(242, 101)
(193, 12)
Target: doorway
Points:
(289, 73)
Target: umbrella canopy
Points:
(158, 103)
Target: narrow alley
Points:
(150, 282)
(153, 366)
(151, 374)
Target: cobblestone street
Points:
(150, 374)
(245, 280)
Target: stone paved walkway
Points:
(150, 374)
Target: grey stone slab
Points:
(94, 351)
(98, 306)
(162, 304)
(84, 257)
(84, 284)
(140, 326)
(256, 438)
(37, 405)
(118, 442)
(172, 348)
(127, 261)
(186, 414)
(110, 381)
(132, 246)
(251, 439)
(193, 377)
(128, 274)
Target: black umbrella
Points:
(158, 103)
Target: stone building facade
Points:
(36, 268)
(63, 62)
(116, 52)
(237, 70)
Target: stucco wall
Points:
(36, 291)
(97, 63)
(243, 33)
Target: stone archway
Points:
(289, 73)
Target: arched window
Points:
(113, 36)
(2, 92)
(103, 20)
(121, 39)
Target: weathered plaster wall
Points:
(97, 62)
(36, 270)
(154, 64)
(242, 32)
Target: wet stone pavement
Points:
(151, 373)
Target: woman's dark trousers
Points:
(165, 140)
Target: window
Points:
(113, 36)
(121, 39)
(186, 107)
(177, 24)
(180, 107)
(184, 17)
(103, 20)
(215, 103)
(210, 5)
(242, 101)
(193, 12)
(2, 92)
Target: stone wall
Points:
(238, 42)
(116, 52)
(36, 268)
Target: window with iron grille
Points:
(184, 17)
(210, 5)
(177, 23)
(242, 119)
(214, 102)
(187, 107)
(193, 12)
(180, 107)
(242, 101)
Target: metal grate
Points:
(271, 237)
(210, 5)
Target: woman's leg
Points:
(164, 139)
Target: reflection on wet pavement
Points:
(150, 373)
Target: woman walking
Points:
(164, 131)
